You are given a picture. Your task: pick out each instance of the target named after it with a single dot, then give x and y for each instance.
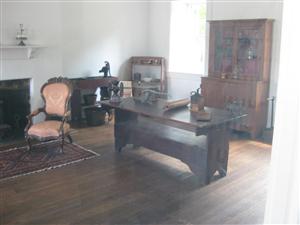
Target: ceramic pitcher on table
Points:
(197, 101)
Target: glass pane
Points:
(223, 50)
(248, 55)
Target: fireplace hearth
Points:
(14, 107)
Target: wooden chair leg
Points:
(70, 138)
(29, 143)
(62, 144)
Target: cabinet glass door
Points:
(248, 53)
(223, 55)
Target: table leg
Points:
(218, 149)
(122, 136)
(200, 172)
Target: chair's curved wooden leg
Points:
(70, 138)
(62, 144)
(29, 143)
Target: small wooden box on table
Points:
(203, 146)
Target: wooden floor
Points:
(138, 187)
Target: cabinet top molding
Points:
(242, 20)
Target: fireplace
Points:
(14, 106)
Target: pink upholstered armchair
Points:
(56, 94)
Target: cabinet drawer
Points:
(218, 93)
(241, 92)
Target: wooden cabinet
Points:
(88, 85)
(239, 69)
(148, 73)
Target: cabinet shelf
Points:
(147, 64)
(148, 67)
(29, 49)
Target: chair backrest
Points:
(56, 94)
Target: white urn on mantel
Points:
(21, 36)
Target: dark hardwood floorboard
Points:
(138, 187)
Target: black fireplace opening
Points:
(14, 107)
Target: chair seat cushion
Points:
(48, 128)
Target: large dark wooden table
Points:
(203, 146)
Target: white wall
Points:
(182, 84)
(159, 28)
(105, 31)
(78, 37)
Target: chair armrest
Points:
(35, 113)
(67, 114)
(30, 116)
(64, 119)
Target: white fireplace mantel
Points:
(28, 49)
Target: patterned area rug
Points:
(18, 161)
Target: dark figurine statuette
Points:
(105, 69)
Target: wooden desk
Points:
(203, 146)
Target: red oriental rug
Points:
(44, 156)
